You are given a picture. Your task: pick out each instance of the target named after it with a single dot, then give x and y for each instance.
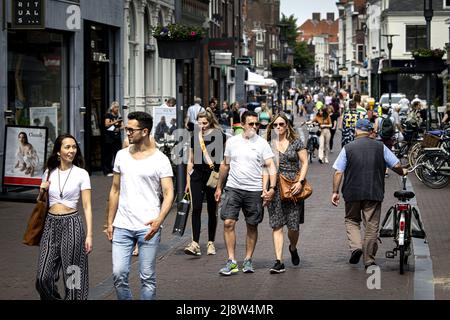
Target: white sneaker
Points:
(210, 248)
(326, 160)
(193, 249)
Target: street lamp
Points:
(428, 14)
(283, 41)
(389, 45)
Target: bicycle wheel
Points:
(431, 175)
(401, 248)
(414, 153)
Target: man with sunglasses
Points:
(250, 172)
(142, 176)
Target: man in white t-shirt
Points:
(249, 166)
(192, 113)
(142, 177)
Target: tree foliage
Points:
(303, 57)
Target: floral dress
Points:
(287, 212)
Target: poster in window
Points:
(45, 117)
(167, 115)
(25, 154)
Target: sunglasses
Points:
(281, 124)
(131, 130)
(203, 123)
(253, 124)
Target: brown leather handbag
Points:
(285, 185)
(36, 222)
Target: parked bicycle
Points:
(398, 223)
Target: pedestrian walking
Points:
(363, 163)
(348, 123)
(142, 177)
(291, 158)
(323, 119)
(193, 111)
(113, 139)
(206, 154)
(249, 166)
(65, 243)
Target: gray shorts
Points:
(233, 200)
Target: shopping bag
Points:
(36, 222)
(182, 215)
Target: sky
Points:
(303, 9)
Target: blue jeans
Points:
(123, 244)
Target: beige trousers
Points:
(324, 143)
(369, 212)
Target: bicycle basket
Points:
(430, 141)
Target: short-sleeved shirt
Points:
(215, 145)
(247, 160)
(140, 188)
(68, 182)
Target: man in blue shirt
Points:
(362, 164)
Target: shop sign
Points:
(28, 14)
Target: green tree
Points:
(303, 57)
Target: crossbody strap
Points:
(205, 152)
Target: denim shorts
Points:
(233, 200)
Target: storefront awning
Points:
(255, 79)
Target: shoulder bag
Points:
(214, 176)
(36, 222)
(285, 184)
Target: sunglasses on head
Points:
(280, 124)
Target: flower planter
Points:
(429, 64)
(178, 49)
(281, 73)
(390, 76)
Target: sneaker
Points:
(247, 266)
(326, 160)
(320, 161)
(110, 174)
(210, 248)
(356, 255)
(193, 249)
(278, 267)
(230, 268)
(369, 265)
(294, 256)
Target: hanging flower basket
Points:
(178, 49)
(429, 64)
(281, 72)
(178, 41)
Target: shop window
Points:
(37, 81)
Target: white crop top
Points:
(70, 184)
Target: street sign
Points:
(244, 61)
(28, 14)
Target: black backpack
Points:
(387, 128)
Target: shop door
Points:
(96, 95)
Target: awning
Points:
(255, 79)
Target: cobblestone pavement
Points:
(324, 271)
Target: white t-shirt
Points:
(140, 188)
(247, 161)
(193, 111)
(70, 184)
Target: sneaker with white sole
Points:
(247, 266)
(230, 268)
(193, 249)
(210, 248)
(277, 268)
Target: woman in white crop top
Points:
(65, 244)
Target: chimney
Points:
(330, 16)
(316, 16)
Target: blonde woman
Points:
(264, 116)
(198, 172)
(292, 159)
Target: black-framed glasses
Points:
(132, 130)
(281, 124)
(253, 124)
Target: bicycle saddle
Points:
(404, 194)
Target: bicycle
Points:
(312, 143)
(402, 227)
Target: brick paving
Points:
(324, 272)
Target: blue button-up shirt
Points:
(341, 162)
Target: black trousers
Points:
(199, 190)
(110, 148)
